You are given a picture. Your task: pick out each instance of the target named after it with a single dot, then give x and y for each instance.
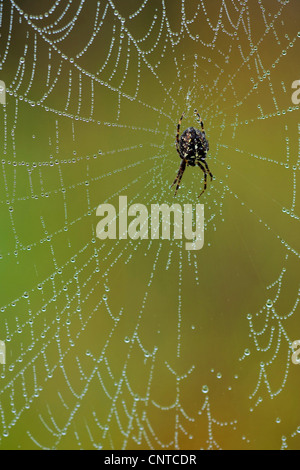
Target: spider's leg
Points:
(179, 175)
(179, 179)
(205, 178)
(178, 133)
(201, 122)
(208, 170)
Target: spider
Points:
(192, 148)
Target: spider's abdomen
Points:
(193, 145)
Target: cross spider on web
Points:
(192, 147)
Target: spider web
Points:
(140, 344)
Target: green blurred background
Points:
(141, 344)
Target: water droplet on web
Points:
(205, 389)
(269, 303)
(127, 339)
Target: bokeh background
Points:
(123, 344)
